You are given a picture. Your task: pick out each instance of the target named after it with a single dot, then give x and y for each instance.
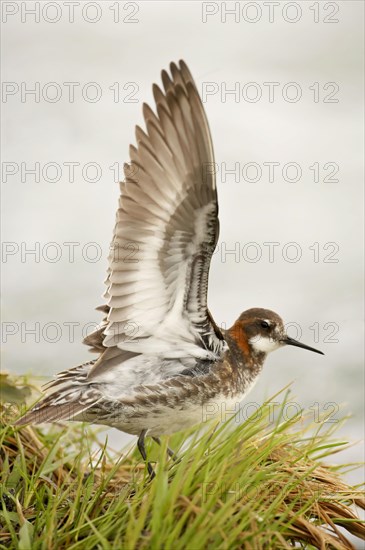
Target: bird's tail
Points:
(71, 396)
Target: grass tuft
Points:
(258, 484)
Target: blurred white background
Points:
(316, 48)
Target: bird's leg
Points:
(170, 452)
(142, 450)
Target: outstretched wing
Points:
(166, 231)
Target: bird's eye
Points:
(265, 324)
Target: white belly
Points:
(163, 420)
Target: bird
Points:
(162, 361)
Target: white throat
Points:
(263, 344)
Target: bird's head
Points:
(262, 331)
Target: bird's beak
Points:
(291, 342)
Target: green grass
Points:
(260, 484)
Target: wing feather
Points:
(165, 234)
